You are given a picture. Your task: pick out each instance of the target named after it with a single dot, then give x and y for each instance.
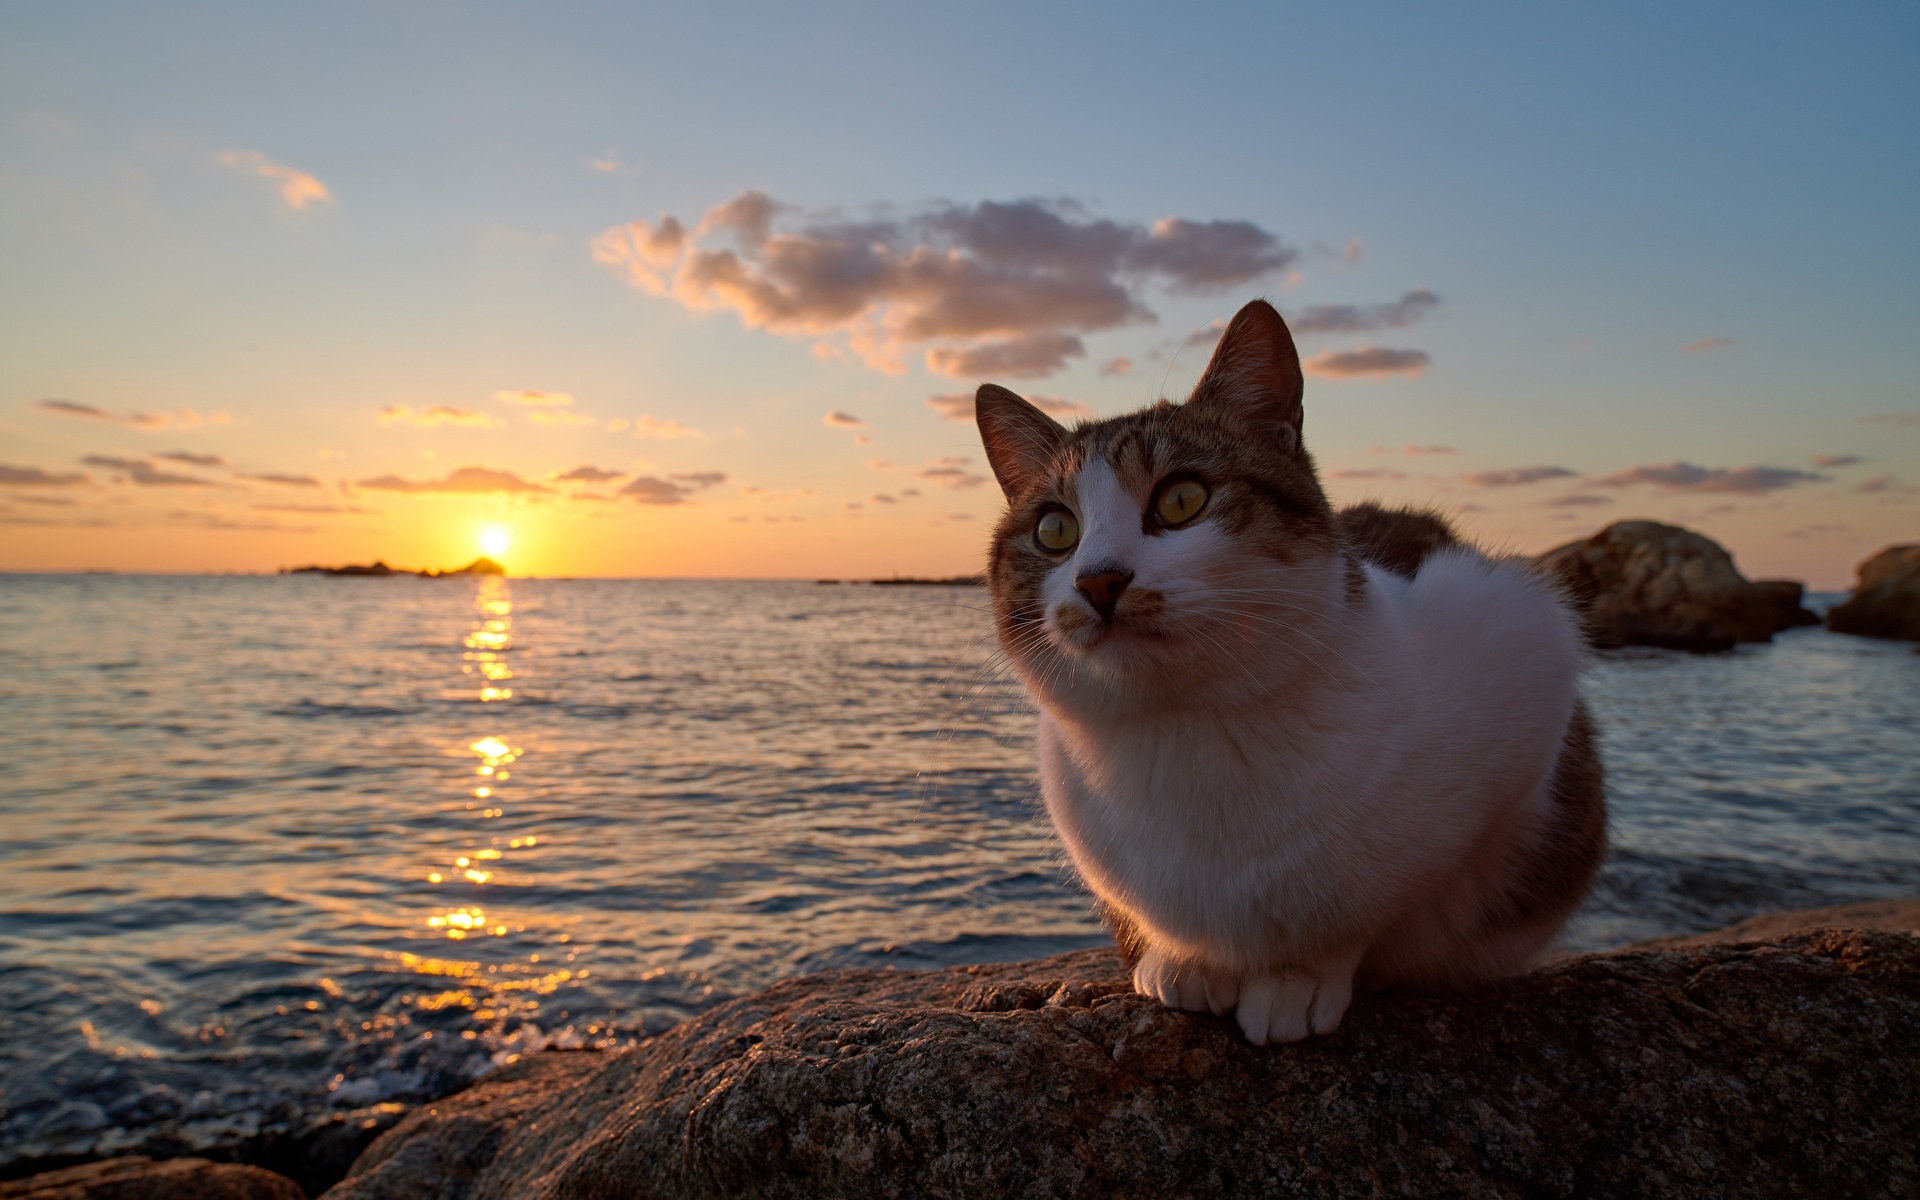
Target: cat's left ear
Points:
(1255, 376)
(1020, 440)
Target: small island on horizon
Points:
(377, 568)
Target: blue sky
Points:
(1588, 191)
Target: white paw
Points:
(1287, 1006)
(1184, 984)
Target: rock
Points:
(1788, 1066)
(1647, 584)
(141, 1178)
(1886, 602)
(1786, 595)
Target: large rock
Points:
(1647, 584)
(1886, 602)
(140, 1178)
(1781, 1067)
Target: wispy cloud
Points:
(1515, 476)
(1411, 451)
(1885, 484)
(12, 476)
(1365, 473)
(1831, 461)
(1576, 500)
(529, 398)
(299, 481)
(432, 415)
(192, 459)
(297, 188)
(1367, 361)
(1895, 420)
(464, 481)
(649, 489)
(1117, 366)
(951, 472)
(315, 509)
(1688, 477)
(1364, 318)
(559, 416)
(144, 473)
(588, 474)
(843, 420)
(958, 406)
(1003, 287)
(1708, 345)
(185, 418)
(648, 426)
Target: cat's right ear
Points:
(1255, 375)
(1020, 440)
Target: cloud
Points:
(1117, 366)
(297, 188)
(431, 415)
(310, 508)
(1897, 420)
(192, 459)
(588, 474)
(701, 479)
(1005, 287)
(12, 476)
(958, 406)
(144, 473)
(843, 420)
(883, 498)
(1885, 483)
(649, 489)
(305, 481)
(529, 398)
(650, 427)
(1412, 451)
(1369, 360)
(1365, 473)
(1364, 318)
(1708, 345)
(948, 472)
(1811, 531)
(1687, 477)
(1515, 476)
(208, 520)
(183, 418)
(1576, 500)
(465, 481)
(1836, 460)
(559, 416)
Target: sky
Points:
(704, 291)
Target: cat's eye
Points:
(1179, 501)
(1057, 530)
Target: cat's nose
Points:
(1102, 589)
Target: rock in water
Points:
(1647, 584)
(1886, 602)
(141, 1178)
(1786, 595)
(1784, 1067)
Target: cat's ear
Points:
(1255, 376)
(1020, 439)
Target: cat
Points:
(1285, 748)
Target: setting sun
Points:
(494, 541)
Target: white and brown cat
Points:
(1287, 748)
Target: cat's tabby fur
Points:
(1286, 747)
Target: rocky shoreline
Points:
(1777, 1057)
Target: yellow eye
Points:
(1180, 501)
(1057, 530)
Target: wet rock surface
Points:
(1647, 584)
(1783, 1066)
(140, 1178)
(1886, 601)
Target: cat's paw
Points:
(1288, 1005)
(1184, 984)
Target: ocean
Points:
(277, 847)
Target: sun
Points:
(494, 541)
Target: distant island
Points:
(951, 581)
(479, 566)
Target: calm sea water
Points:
(275, 846)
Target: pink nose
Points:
(1102, 590)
